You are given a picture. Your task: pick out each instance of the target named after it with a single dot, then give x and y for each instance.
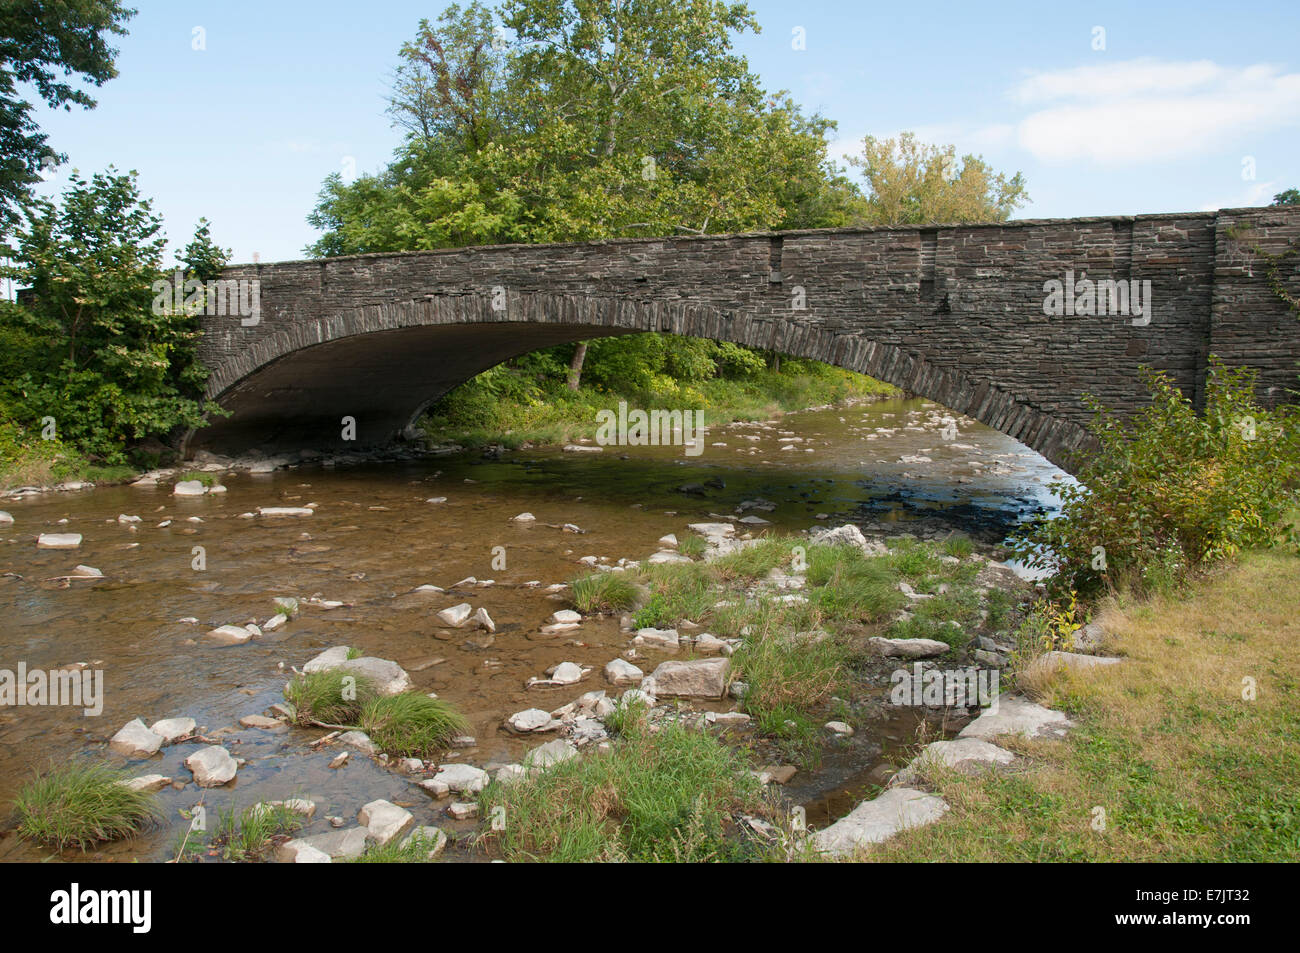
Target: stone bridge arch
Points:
(384, 364)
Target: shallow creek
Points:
(374, 537)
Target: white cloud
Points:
(1147, 110)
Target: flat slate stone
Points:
(880, 819)
(1017, 716)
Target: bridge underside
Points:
(383, 380)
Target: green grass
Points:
(246, 836)
(1185, 767)
(80, 805)
(653, 797)
(411, 724)
(933, 618)
(207, 479)
(334, 697)
(692, 545)
(412, 850)
(677, 591)
(753, 562)
(959, 546)
(604, 592)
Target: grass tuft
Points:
(80, 805)
(411, 724)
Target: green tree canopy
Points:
(913, 183)
(42, 44)
(585, 119)
(98, 357)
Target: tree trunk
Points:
(575, 365)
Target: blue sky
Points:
(1188, 106)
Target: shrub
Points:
(1170, 491)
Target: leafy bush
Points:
(1169, 491)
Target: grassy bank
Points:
(511, 408)
(1185, 764)
(28, 460)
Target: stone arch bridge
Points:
(962, 315)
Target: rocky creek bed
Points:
(325, 566)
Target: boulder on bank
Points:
(879, 819)
(907, 648)
(698, 678)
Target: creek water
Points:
(374, 537)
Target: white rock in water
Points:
(231, 634)
(172, 729)
(456, 615)
(907, 648)
(5, 518)
(188, 488)
(146, 782)
(575, 448)
(669, 541)
(523, 518)
(135, 740)
(566, 617)
(123, 518)
(58, 540)
(665, 639)
(356, 739)
(622, 672)
(347, 843)
(698, 678)
(285, 511)
(484, 620)
(273, 623)
(387, 676)
(298, 851)
(87, 572)
(384, 820)
(212, 766)
(462, 778)
(713, 529)
(329, 659)
(839, 728)
(295, 805)
(567, 673)
(531, 719)
(667, 556)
